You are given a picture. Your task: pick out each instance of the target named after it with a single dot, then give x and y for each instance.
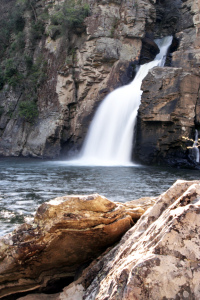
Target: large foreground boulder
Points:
(66, 233)
(159, 258)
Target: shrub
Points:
(29, 62)
(38, 72)
(11, 74)
(10, 70)
(37, 30)
(69, 15)
(28, 110)
(19, 42)
(14, 23)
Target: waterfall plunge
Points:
(110, 136)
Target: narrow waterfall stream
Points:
(195, 146)
(110, 137)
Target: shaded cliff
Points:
(170, 102)
(56, 70)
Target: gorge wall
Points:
(170, 103)
(71, 73)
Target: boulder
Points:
(66, 233)
(156, 259)
(136, 208)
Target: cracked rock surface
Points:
(66, 233)
(159, 258)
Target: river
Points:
(27, 183)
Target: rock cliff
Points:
(56, 78)
(83, 65)
(170, 102)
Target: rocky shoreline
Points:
(145, 249)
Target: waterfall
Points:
(110, 136)
(195, 146)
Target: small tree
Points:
(28, 110)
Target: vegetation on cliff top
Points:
(26, 24)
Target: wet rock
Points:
(157, 259)
(170, 102)
(149, 50)
(162, 118)
(66, 232)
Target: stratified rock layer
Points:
(170, 102)
(82, 68)
(158, 258)
(163, 118)
(66, 233)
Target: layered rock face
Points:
(66, 233)
(163, 117)
(170, 102)
(82, 68)
(157, 259)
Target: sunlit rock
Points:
(157, 259)
(66, 232)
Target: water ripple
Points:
(27, 183)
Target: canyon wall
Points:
(81, 66)
(170, 102)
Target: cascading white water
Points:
(195, 146)
(110, 136)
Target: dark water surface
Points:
(26, 183)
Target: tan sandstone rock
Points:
(159, 258)
(66, 232)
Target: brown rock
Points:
(80, 65)
(136, 208)
(66, 232)
(156, 259)
(163, 119)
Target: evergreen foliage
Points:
(28, 110)
(68, 15)
(17, 68)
